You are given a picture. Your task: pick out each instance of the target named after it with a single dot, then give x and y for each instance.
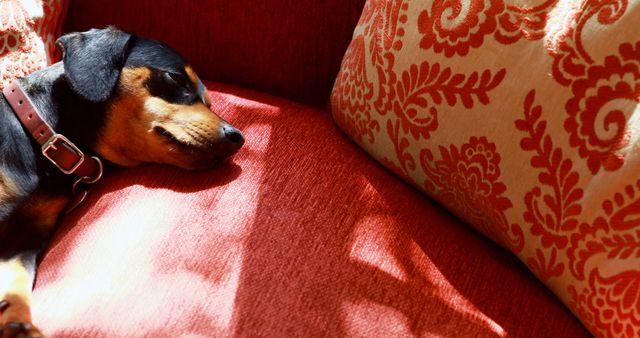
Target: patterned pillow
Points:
(521, 117)
(28, 31)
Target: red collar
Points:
(58, 149)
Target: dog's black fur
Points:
(107, 79)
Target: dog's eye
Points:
(175, 78)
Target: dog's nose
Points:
(233, 135)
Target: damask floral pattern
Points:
(28, 30)
(522, 117)
(467, 181)
(453, 27)
(600, 100)
(355, 95)
(551, 207)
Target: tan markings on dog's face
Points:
(195, 80)
(144, 128)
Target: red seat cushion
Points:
(303, 235)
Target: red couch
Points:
(304, 235)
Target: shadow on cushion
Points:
(304, 236)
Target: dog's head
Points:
(156, 110)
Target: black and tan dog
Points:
(115, 96)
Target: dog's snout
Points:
(233, 135)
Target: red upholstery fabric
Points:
(303, 236)
(292, 48)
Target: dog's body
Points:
(124, 98)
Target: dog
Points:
(115, 97)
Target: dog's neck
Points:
(67, 112)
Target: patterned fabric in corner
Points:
(521, 117)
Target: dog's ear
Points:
(93, 61)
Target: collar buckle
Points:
(59, 150)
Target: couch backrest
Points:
(291, 48)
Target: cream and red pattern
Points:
(28, 31)
(523, 118)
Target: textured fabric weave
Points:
(522, 118)
(304, 235)
(291, 48)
